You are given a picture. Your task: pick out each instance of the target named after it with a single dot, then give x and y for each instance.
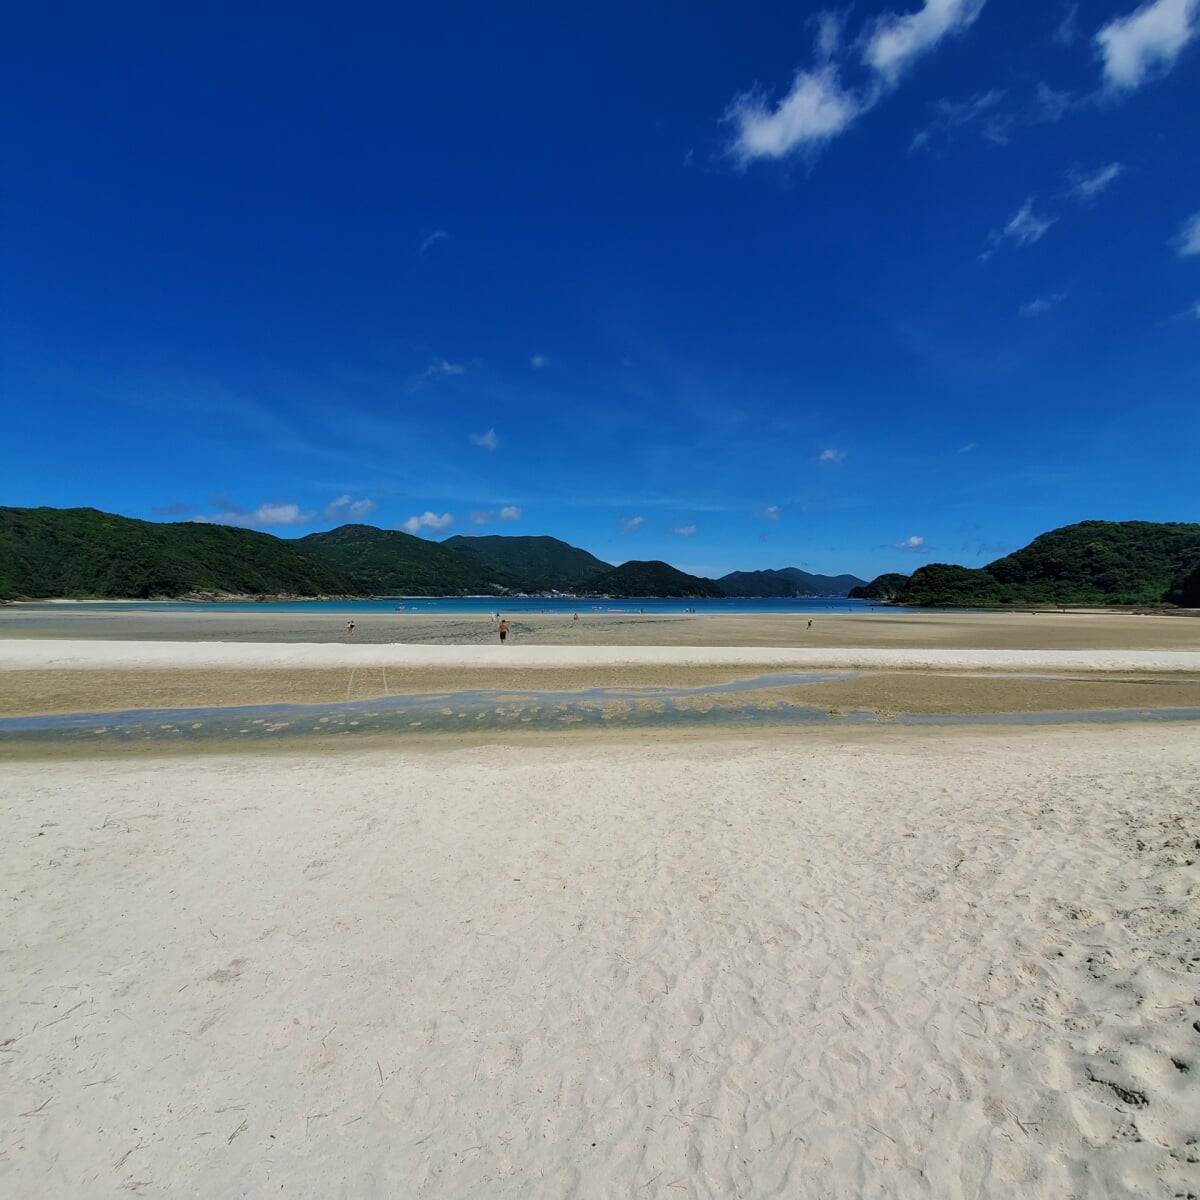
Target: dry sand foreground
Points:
(818, 965)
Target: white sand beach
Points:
(817, 962)
(945, 965)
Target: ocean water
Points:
(428, 605)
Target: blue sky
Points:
(738, 286)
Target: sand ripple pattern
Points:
(894, 965)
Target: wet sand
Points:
(882, 629)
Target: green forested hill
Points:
(1094, 562)
(81, 553)
(883, 587)
(789, 581)
(388, 561)
(544, 562)
(651, 578)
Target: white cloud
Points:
(1195, 310)
(485, 516)
(833, 456)
(770, 513)
(346, 508)
(630, 524)
(539, 362)
(1023, 229)
(683, 530)
(1042, 305)
(1187, 241)
(263, 517)
(1147, 42)
(1088, 187)
(1026, 227)
(912, 543)
(487, 440)
(967, 448)
(817, 107)
(815, 110)
(428, 520)
(438, 367)
(436, 236)
(897, 42)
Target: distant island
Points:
(81, 553)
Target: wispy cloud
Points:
(485, 516)
(488, 440)
(953, 116)
(428, 520)
(1024, 228)
(815, 110)
(818, 107)
(346, 508)
(967, 448)
(1187, 240)
(436, 236)
(630, 524)
(897, 42)
(1066, 32)
(683, 531)
(915, 544)
(265, 516)
(538, 362)
(770, 513)
(438, 368)
(1042, 305)
(1146, 44)
(1050, 105)
(832, 456)
(1088, 187)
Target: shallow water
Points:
(490, 711)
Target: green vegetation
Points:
(788, 582)
(544, 563)
(653, 578)
(882, 587)
(1094, 562)
(81, 553)
(390, 562)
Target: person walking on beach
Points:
(350, 628)
(503, 631)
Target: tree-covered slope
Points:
(1094, 562)
(883, 587)
(545, 562)
(389, 561)
(82, 553)
(653, 578)
(789, 581)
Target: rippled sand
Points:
(878, 963)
